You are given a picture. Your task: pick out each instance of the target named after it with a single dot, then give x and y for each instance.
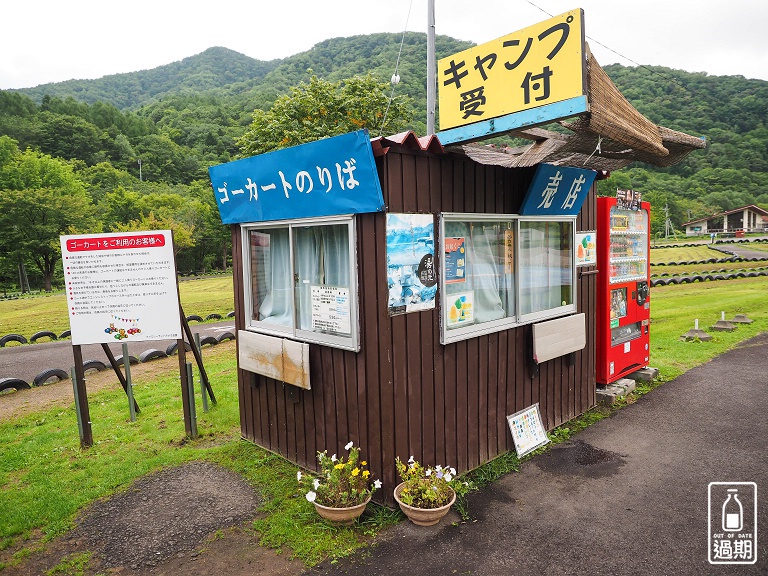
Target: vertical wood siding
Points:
(404, 393)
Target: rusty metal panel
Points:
(283, 360)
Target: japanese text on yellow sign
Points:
(535, 66)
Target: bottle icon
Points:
(733, 512)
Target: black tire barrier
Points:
(194, 317)
(225, 336)
(739, 275)
(685, 280)
(12, 338)
(208, 340)
(42, 334)
(231, 314)
(97, 365)
(131, 360)
(47, 375)
(151, 354)
(213, 316)
(13, 384)
(698, 279)
(659, 282)
(65, 334)
(172, 348)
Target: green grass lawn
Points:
(684, 254)
(28, 315)
(675, 308)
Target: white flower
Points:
(316, 483)
(428, 472)
(411, 460)
(333, 458)
(377, 484)
(298, 476)
(311, 496)
(349, 445)
(453, 471)
(447, 477)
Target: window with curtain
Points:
(499, 273)
(302, 279)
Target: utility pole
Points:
(431, 68)
(140, 178)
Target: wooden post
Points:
(86, 439)
(184, 386)
(116, 368)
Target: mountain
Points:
(209, 70)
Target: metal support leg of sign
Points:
(198, 356)
(128, 382)
(81, 398)
(119, 373)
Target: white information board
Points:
(330, 309)
(527, 430)
(121, 287)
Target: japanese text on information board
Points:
(121, 287)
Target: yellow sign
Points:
(538, 65)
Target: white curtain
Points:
(274, 291)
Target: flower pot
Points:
(423, 516)
(341, 516)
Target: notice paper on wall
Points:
(527, 430)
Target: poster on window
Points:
(461, 309)
(121, 287)
(586, 248)
(331, 310)
(411, 274)
(455, 260)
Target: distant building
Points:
(745, 219)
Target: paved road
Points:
(736, 249)
(28, 361)
(627, 496)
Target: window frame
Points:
(515, 319)
(351, 342)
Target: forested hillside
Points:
(140, 144)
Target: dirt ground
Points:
(193, 519)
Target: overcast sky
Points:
(51, 40)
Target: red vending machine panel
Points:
(623, 289)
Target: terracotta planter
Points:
(341, 516)
(423, 516)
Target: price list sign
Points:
(121, 287)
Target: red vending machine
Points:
(623, 281)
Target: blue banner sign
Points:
(323, 178)
(557, 191)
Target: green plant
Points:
(427, 487)
(344, 483)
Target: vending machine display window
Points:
(618, 305)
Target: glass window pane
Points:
(323, 278)
(270, 276)
(546, 266)
(479, 272)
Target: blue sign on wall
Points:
(557, 191)
(328, 177)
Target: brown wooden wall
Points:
(404, 393)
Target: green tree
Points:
(321, 109)
(41, 199)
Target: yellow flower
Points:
(339, 466)
(366, 473)
(356, 471)
(363, 463)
